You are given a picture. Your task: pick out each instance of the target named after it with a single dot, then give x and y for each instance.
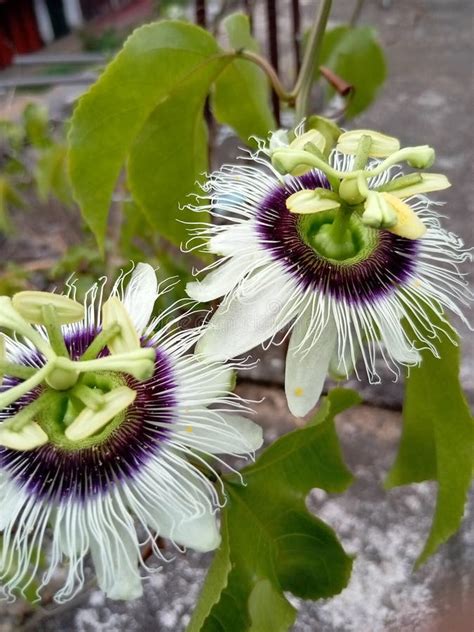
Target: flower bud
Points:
(408, 224)
(421, 157)
(29, 437)
(114, 311)
(30, 305)
(381, 146)
(310, 201)
(88, 422)
(378, 213)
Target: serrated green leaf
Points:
(275, 544)
(170, 153)
(241, 97)
(437, 440)
(354, 54)
(153, 62)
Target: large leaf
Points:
(438, 440)
(273, 543)
(241, 97)
(153, 63)
(170, 153)
(354, 54)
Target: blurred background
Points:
(413, 80)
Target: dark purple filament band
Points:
(57, 474)
(388, 266)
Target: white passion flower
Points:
(105, 436)
(340, 254)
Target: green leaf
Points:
(354, 54)
(269, 610)
(216, 581)
(154, 61)
(170, 153)
(438, 439)
(51, 175)
(35, 120)
(274, 543)
(241, 97)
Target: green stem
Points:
(340, 225)
(27, 414)
(283, 95)
(306, 75)
(17, 370)
(356, 13)
(53, 327)
(100, 341)
(117, 362)
(90, 397)
(17, 391)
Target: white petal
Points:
(397, 344)
(220, 433)
(234, 239)
(201, 383)
(221, 280)
(115, 558)
(140, 295)
(237, 326)
(201, 533)
(306, 370)
(184, 514)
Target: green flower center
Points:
(338, 236)
(63, 407)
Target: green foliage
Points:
(438, 439)
(354, 54)
(271, 543)
(170, 153)
(31, 152)
(51, 175)
(36, 124)
(241, 97)
(156, 64)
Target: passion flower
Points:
(346, 251)
(105, 428)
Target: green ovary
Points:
(338, 236)
(64, 408)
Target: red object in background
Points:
(18, 30)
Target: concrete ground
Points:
(428, 98)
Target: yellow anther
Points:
(299, 391)
(89, 421)
(408, 224)
(381, 146)
(309, 201)
(29, 437)
(30, 305)
(189, 428)
(114, 311)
